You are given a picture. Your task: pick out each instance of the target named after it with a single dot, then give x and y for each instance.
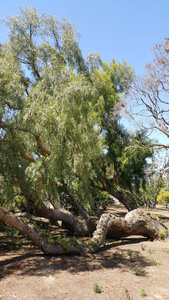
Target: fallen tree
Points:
(135, 223)
(109, 226)
(59, 113)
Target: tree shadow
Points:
(164, 218)
(11, 244)
(111, 256)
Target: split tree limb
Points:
(76, 225)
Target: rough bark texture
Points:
(125, 200)
(34, 218)
(22, 226)
(52, 247)
(134, 223)
(79, 227)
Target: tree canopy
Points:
(163, 197)
(62, 145)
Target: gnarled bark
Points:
(134, 223)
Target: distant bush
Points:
(163, 197)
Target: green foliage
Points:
(97, 288)
(67, 242)
(163, 197)
(130, 252)
(163, 235)
(57, 110)
(60, 115)
(9, 231)
(166, 251)
(64, 242)
(143, 247)
(101, 198)
(91, 245)
(117, 256)
(147, 225)
(128, 297)
(143, 293)
(154, 181)
(50, 241)
(105, 243)
(152, 216)
(155, 262)
(150, 251)
(133, 162)
(138, 272)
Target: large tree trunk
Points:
(126, 200)
(80, 227)
(47, 246)
(134, 223)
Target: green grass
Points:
(143, 293)
(166, 251)
(155, 262)
(138, 272)
(143, 247)
(117, 256)
(127, 295)
(150, 251)
(130, 252)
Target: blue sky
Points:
(123, 29)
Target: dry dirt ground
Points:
(131, 268)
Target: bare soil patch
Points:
(134, 264)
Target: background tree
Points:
(122, 166)
(149, 96)
(163, 197)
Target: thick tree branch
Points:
(80, 209)
(118, 194)
(22, 226)
(134, 223)
(41, 147)
(32, 217)
(29, 158)
(54, 247)
(76, 225)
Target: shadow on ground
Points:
(111, 256)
